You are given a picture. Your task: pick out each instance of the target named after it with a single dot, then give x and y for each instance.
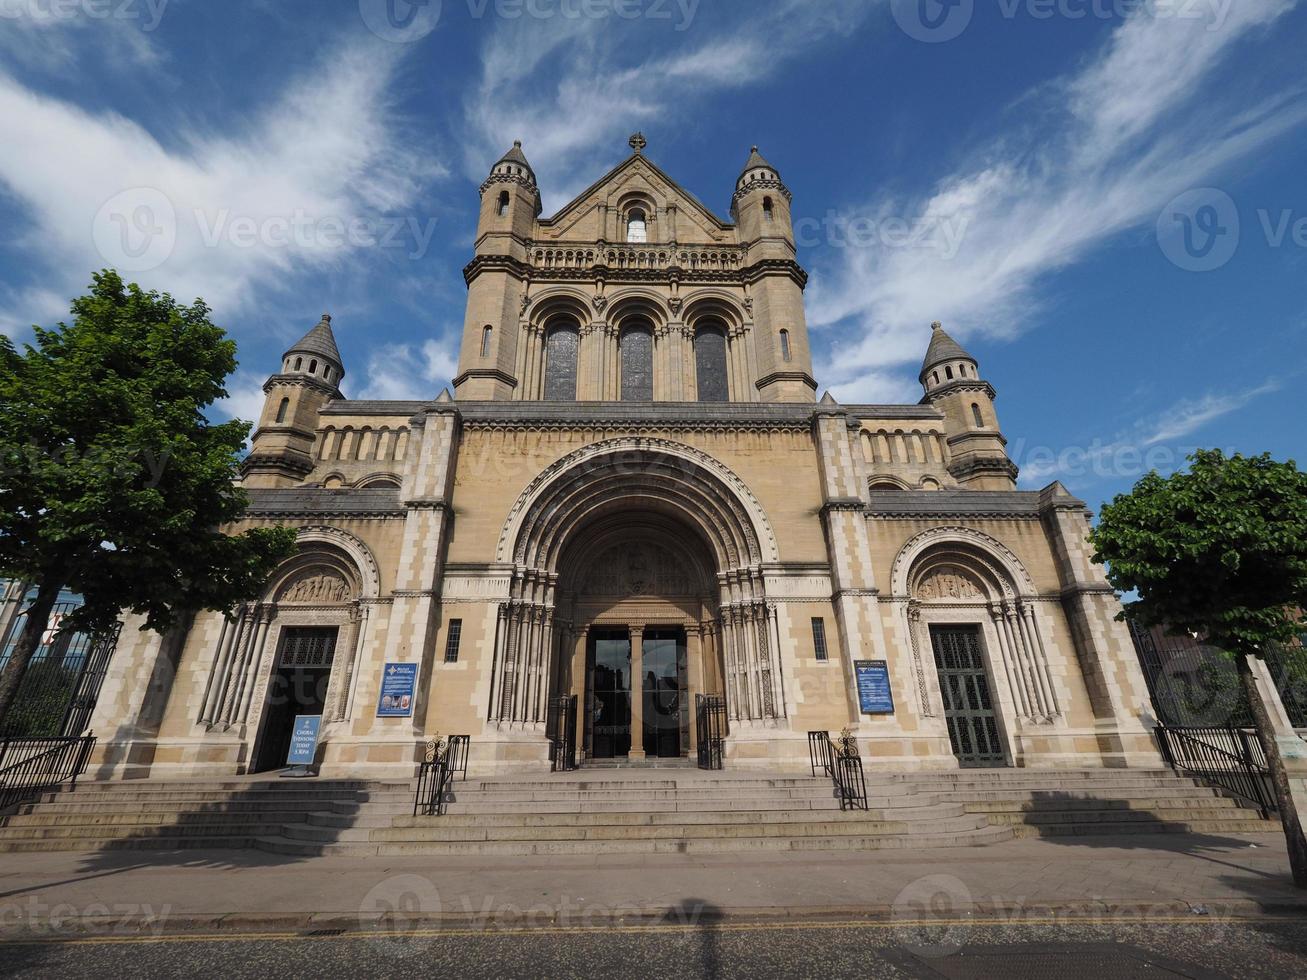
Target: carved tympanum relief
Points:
(637, 570)
(318, 586)
(947, 582)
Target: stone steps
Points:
(622, 811)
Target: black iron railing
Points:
(30, 766)
(1227, 758)
(843, 765)
(436, 774)
(710, 729)
(561, 727)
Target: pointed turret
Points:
(952, 382)
(945, 360)
(281, 449)
(761, 209)
(316, 354)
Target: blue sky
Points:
(1103, 199)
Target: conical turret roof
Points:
(515, 155)
(756, 159)
(942, 348)
(319, 341)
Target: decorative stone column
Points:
(637, 693)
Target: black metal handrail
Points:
(844, 767)
(457, 749)
(30, 766)
(561, 727)
(1228, 758)
(435, 774)
(710, 730)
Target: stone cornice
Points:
(585, 275)
(300, 381)
(310, 503)
(775, 376)
(959, 386)
(494, 373)
(961, 469)
(642, 417)
(960, 504)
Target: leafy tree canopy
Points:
(113, 482)
(1219, 550)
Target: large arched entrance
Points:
(637, 584)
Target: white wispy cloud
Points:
(407, 371)
(53, 36)
(1150, 443)
(565, 86)
(305, 184)
(1110, 145)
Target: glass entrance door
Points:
(608, 707)
(666, 708)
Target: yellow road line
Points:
(235, 937)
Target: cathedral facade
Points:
(634, 497)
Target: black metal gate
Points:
(710, 729)
(59, 689)
(561, 726)
(968, 701)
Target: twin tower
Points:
(634, 291)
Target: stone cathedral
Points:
(634, 496)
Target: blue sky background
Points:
(1024, 170)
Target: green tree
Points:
(1219, 551)
(113, 483)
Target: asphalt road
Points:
(1112, 950)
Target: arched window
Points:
(710, 364)
(767, 211)
(281, 409)
(487, 332)
(503, 203)
(637, 363)
(313, 367)
(785, 345)
(975, 414)
(935, 375)
(299, 363)
(637, 230)
(948, 372)
(560, 363)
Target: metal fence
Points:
(1196, 685)
(436, 774)
(560, 724)
(710, 730)
(30, 766)
(62, 682)
(1229, 758)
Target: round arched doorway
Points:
(637, 584)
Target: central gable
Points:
(636, 178)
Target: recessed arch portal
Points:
(702, 536)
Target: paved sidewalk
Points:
(153, 892)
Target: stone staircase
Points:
(621, 811)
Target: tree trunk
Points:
(29, 641)
(1293, 835)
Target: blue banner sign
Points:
(304, 740)
(398, 682)
(874, 694)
